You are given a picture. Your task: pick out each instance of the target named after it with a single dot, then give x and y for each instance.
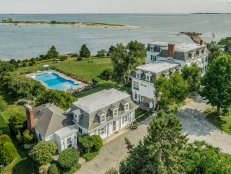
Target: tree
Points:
(7, 153)
(217, 83)
(178, 88)
(106, 74)
(226, 44)
(42, 152)
(192, 75)
(88, 144)
(7, 150)
(200, 157)
(3, 104)
(110, 50)
(125, 59)
(53, 169)
(160, 151)
(68, 158)
(17, 122)
(52, 53)
(59, 98)
(101, 53)
(214, 51)
(111, 171)
(28, 137)
(84, 51)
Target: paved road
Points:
(197, 127)
(113, 152)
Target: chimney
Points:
(30, 117)
(171, 50)
(201, 42)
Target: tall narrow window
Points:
(69, 142)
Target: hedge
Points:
(4, 128)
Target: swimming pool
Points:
(55, 81)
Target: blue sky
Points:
(114, 6)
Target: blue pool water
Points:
(55, 81)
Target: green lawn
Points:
(223, 122)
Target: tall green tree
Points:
(3, 104)
(201, 158)
(214, 51)
(217, 83)
(161, 150)
(192, 75)
(52, 53)
(84, 51)
(126, 58)
(17, 122)
(226, 43)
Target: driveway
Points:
(197, 127)
(114, 151)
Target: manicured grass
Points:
(12, 108)
(223, 122)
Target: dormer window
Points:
(190, 55)
(126, 107)
(197, 52)
(76, 115)
(114, 110)
(103, 118)
(138, 74)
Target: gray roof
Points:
(66, 131)
(50, 118)
(157, 67)
(99, 100)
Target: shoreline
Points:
(77, 24)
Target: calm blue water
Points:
(29, 41)
(54, 81)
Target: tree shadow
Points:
(25, 166)
(194, 122)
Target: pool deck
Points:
(81, 86)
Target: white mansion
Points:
(164, 59)
(102, 113)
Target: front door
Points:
(114, 126)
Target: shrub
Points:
(111, 171)
(62, 57)
(28, 137)
(106, 74)
(42, 152)
(3, 104)
(79, 58)
(88, 144)
(17, 122)
(89, 156)
(54, 169)
(101, 53)
(4, 139)
(7, 153)
(68, 158)
(4, 129)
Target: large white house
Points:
(102, 113)
(164, 59)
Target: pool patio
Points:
(77, 85)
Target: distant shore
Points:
(78, 24)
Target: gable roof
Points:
(99, 100)
(50, 118)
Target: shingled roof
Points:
(50, 118)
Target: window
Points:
(138, 75)
(103, 130)
(69, 142)
(103, 118)
(136, 85)
(197, 52)
(125, 119)
(142, 98)
(135, 96)
(115, 112)
(143, 85)
(126, 107)
(147, 78)
(80, 130)
(40, 137)
(203, 51)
